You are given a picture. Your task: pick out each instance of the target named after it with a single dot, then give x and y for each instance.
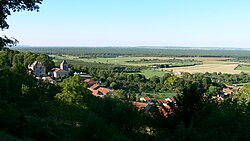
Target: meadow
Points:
(130, 61)
(243, 67)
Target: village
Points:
(165, 106)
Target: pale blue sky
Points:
(197, 23)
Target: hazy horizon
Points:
(146, 47)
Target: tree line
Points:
(111, 52)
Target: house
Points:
(49, 79)
(90, 82)
(56, 72)
(83, 76)
(178, 73)
(94, 87)
(227, 91)
(173, 99)
(162, 101)
(60, 72)
(96, 93)
(105, 91)
(37, 69)
(100, 91)
(145, 99)
(165, 110)
(140, 105)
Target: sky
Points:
(191, 23)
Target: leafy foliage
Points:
(6, 6)
(5, 41)
(73, 90)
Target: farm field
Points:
(209, 64)
(124, 60)
(215, 67)
(116, 61)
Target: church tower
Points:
(64, 65)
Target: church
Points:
(60, 72)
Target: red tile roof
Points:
(89, 81)
(227, 91)
(58, 70)
(165, 110)
(167, 107)
(147, 98)
(95, 92)
(172, 98)
(159, 101)
(162, 101)
(103, 90)
(95, 86)
(140, 105)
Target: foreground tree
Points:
(6, 6)
(73, 91)
(189, 101)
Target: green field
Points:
(132, 61)
(150, 73)
(160, 96)
(244, 84)
(243, 67)
(116, 61)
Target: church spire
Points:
(64, 65)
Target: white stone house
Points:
(60, 72)
(57, 72)
(37, 69)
